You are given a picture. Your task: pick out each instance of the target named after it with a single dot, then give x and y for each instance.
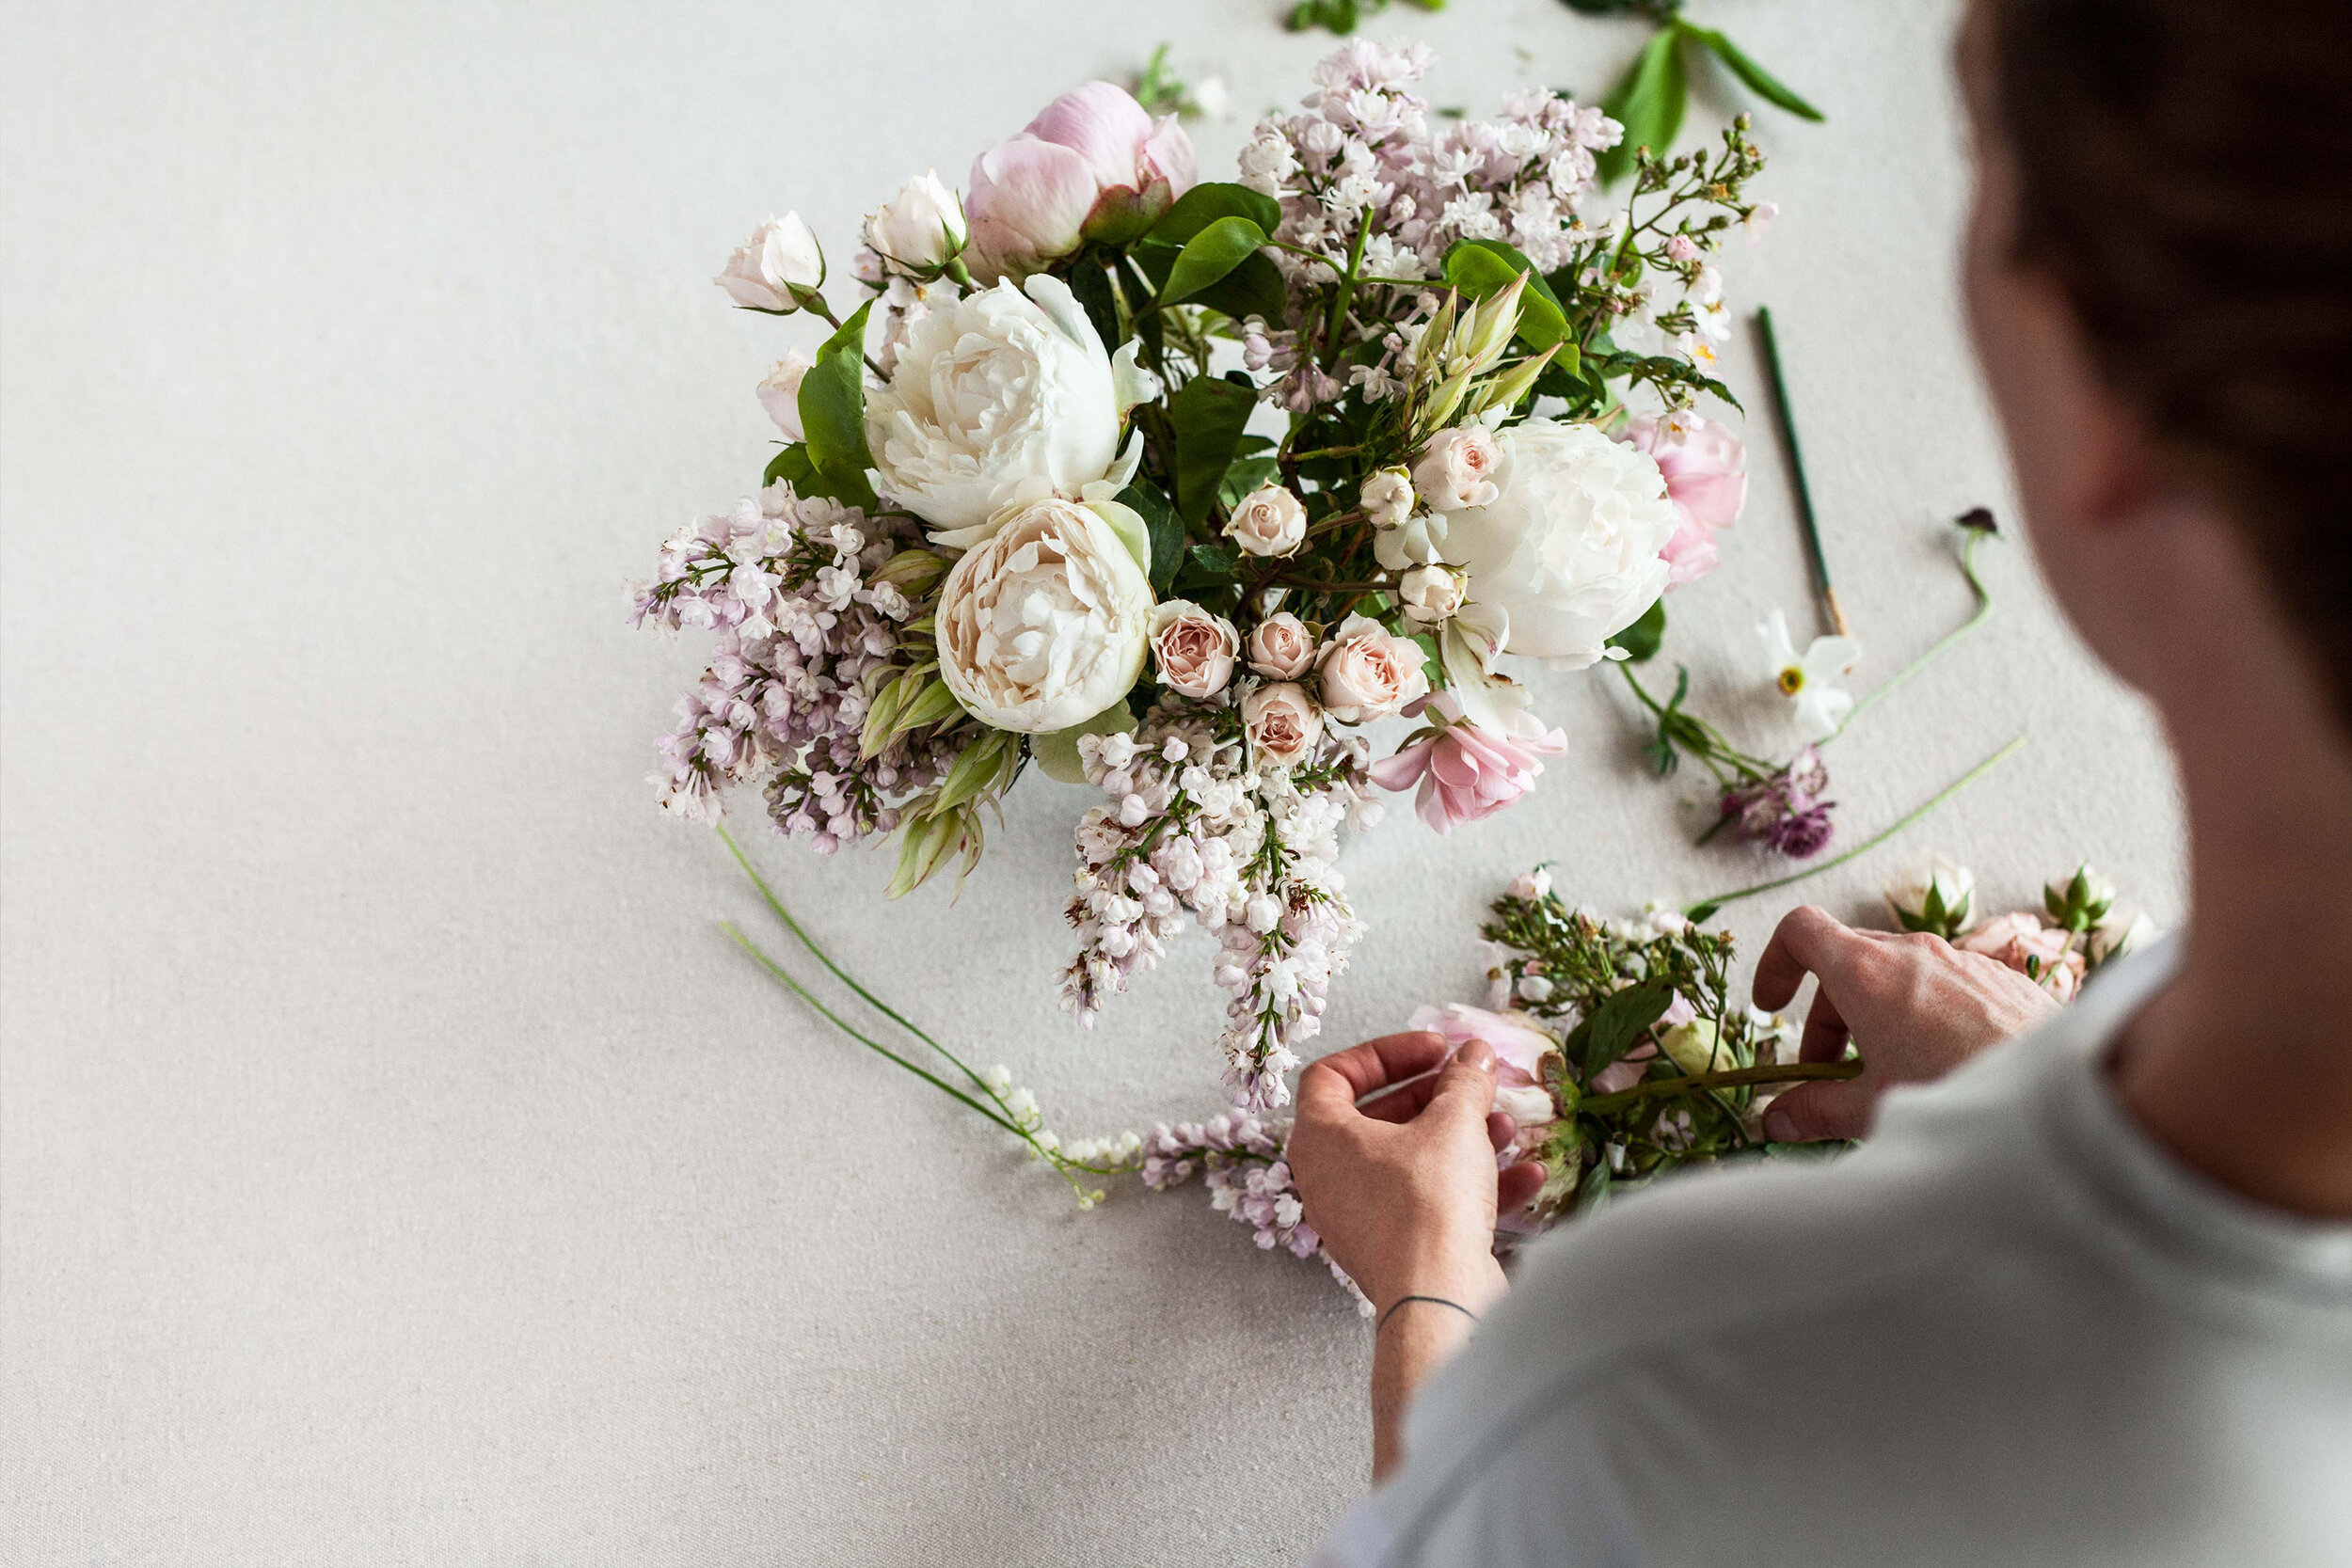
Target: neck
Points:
(2243, 1066)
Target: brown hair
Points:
(2184, 171)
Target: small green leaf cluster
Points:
(1654, 94)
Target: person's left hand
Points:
(1403, 1191)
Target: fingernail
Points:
(1479, 1055)
(1778, 1127)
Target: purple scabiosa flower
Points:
(1784, 809)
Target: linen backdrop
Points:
(398, 1166)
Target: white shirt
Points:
(2009, 1330)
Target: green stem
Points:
(1731, 1078)
(1347, 291)
(1944, 645)
(876, 1046)
(776, 907)
(1706, 907)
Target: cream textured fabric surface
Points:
(398, 1166)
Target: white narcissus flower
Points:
(1567, 555)
(1045, 624)
(1937, 894)
(1269, 521)
(922, 228)
(1429, 595)
(998, 400)
(1456, 469)
(1819, 708)
(1367, 672)
(780, 258)
(780, 392)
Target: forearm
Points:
(1419, 1340)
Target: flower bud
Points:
(1694, 1047)
(921, 228)
(776, 269)
(1429, 595)
(2081, 902)
(780, 392)
(1938, 894)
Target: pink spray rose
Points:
(1367, 671)
(1093, 166)
(1466, 770)
(1194, 649)
(1282, 723)
(1280, 647)
(1706, 469)
(1518, 1045)
(2021, 937)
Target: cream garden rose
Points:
(998, 400)
(1195, 650)
(1568, 553)
(1281, 722)
(1367, 672)
(1269, 521)
(1456, 469)
(1045, 624)
(1281, 647)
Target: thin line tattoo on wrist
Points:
(1434, 1301)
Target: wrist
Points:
(1471, 1282)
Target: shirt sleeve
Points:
(1541, 1494)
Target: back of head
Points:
(2184, 171)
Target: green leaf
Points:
(1209, 255)
(832, 411)
(1202, 205)
(1215, 558)
(1700, 913)
(1618, 1021)
(1648, 103)
(1091, 286)
(1058, 754)
(935, 703)
(974, 769)
(1639, 640)
(791, 465)
(1595, 1189)
(1762, 82)
(1168, 532)
(1483, 268)
(1247, 474)
(1208, 413)
(1254, 287)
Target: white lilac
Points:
(788, 585)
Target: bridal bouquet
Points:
(1173, 487)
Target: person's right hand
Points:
(1915, 1006)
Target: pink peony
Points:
(1707, 478)
(1466, 772)
(2020, 939)
(1093, 166)
(1518, 1046)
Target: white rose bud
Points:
(1281, 722)
(1280, 647)
(1937, 894)
(2124, 931)
(1367, 672)
(780, 258)
(1269, 521)
(922, 228)
(1387, 498)
(1429, 595)
(1043, 625)
(780, 393)
(1456, 469)
(1194, 649)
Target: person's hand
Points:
(1403, 1191)
(1915, 1006)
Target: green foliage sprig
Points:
(1652, 98)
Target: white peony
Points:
(998, 400)
(1045, 624)
(1567, 555)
